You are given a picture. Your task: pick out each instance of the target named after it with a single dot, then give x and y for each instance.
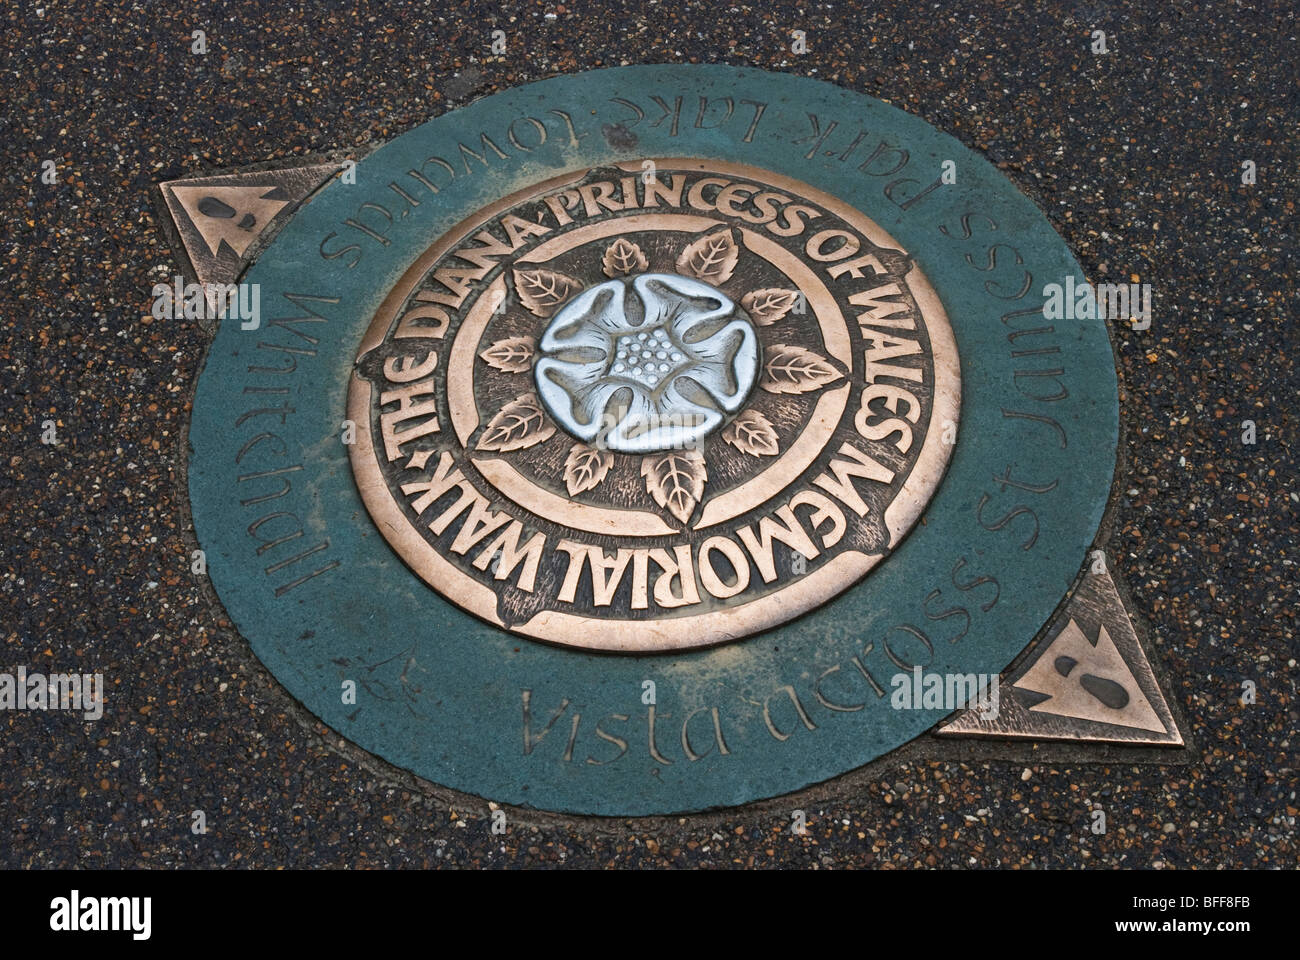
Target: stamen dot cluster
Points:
(645, 356)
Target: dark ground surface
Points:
(1135, 157)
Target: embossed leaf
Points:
(542, 291)
(585, 467)
(624, 257)
(770, 305)
(711, 259)
(675, 480)
(752, 433)
(795, 370)
(512, 355)
(519, 424)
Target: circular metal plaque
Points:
(654, 406)
(613, 444)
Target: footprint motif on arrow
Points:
(1088, 681)
(212, 207)
(1107, 691)
(232, 216)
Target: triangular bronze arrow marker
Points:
(218, 218)
(1089, 680)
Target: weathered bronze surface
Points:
(1088, 680)
(673, 405)
(218, 218)
(404, 306)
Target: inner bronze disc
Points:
(654, 406)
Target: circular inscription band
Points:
(643, 460)
(698, 376)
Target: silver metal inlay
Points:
(654, 367)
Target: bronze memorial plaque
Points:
(662, 388)
(661, 439)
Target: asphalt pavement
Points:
(1136, 156)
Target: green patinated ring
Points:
(466, 705)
